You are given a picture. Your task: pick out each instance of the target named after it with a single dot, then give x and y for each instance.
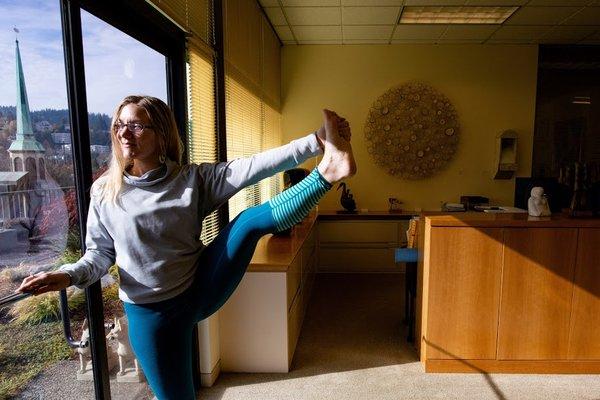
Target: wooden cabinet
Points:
(464, 287)
(537, 289)
(584, 338)
(509, 294)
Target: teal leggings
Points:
(161, 333)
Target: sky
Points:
(116, 65)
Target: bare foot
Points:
(338, 162)
(343, 129)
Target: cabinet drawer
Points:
(358, 232)
(295, 324)
(293, 279)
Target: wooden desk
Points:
(260, 323)
(332, 215)
(362, 241)
(508, 293)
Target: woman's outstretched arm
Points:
(220, 181)
(98, 258)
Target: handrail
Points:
(66, 321)
(11, 298)
(64, 314)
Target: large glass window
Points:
(38, 207)
(116, 65)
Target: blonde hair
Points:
(109, 185)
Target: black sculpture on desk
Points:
(347, 200)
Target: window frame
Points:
(146, 24)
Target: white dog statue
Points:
(84, 352)
(124, 352)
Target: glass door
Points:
(67, 68)
(116, 65)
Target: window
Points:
(39, 191)
(38, 225)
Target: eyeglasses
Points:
(134, 127)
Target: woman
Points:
(146, 216)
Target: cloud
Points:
(40, 42)
(115, 64)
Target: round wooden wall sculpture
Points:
(412, 131)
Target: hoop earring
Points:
(162, 158)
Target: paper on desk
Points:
(506, 209)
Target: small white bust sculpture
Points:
(537, 204)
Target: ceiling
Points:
(376, 22)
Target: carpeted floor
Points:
(352, 346)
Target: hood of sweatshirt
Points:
(151, 177)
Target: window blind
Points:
(252, 127)
(271, 122)
(202, 140)
(244, 137)
(195, 16)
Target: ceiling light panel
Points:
(456, 15)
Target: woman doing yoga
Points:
(146, 216)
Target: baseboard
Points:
(208, 379)
(515, 366)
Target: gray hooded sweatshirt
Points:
(153, 233)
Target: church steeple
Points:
(26, 153)
(25, 141)
(23, 116)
